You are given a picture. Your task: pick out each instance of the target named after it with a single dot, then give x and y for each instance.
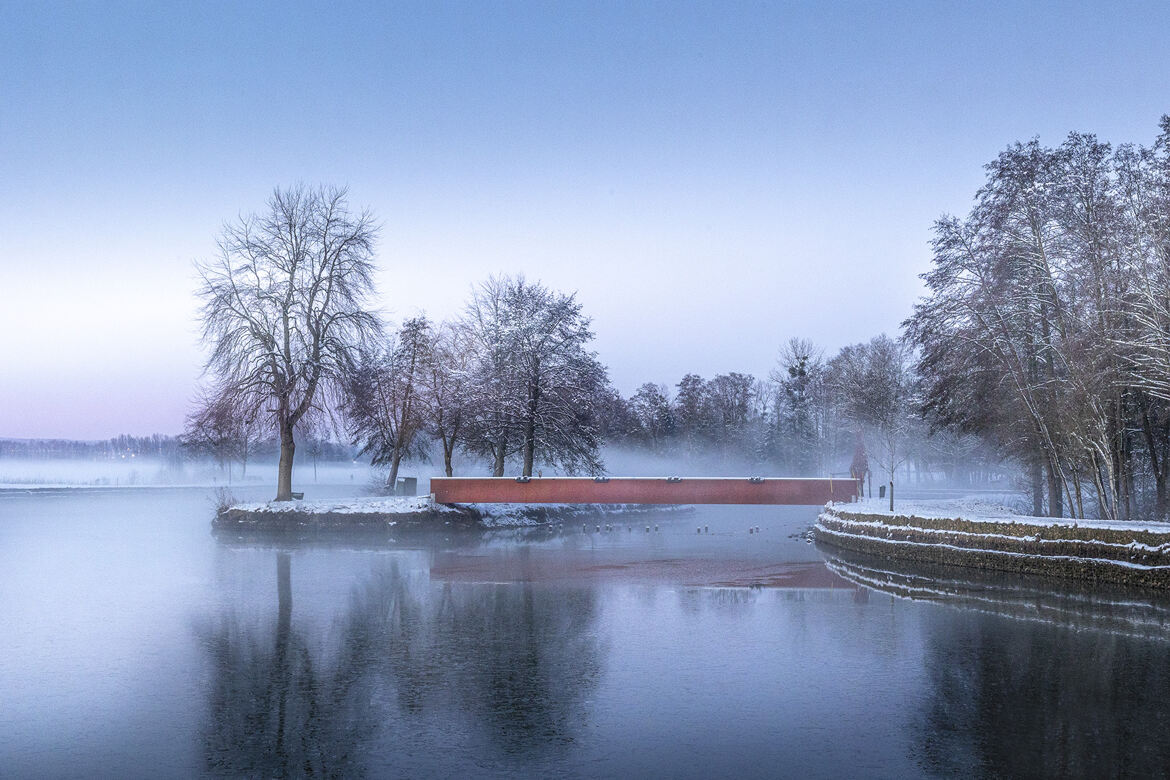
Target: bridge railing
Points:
(642, 490)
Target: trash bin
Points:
(881, 491)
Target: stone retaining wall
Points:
(1135, 557)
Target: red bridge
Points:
(641, 490)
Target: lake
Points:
(134, 643)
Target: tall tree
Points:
(445, 391)
(1039, 325)
(799, 383)
(284, 308)
(491, 427)
(558, 378)
(655, 417)
(875, 382)
(536, 384)
(386, 404)
(733, 409)
(692, 411)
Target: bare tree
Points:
(386, 407)
(692, 411)
(284, 308)
(217, 429)
(875, 384)
(445, 390)
(491, 426)
(317, 431)
(733, 403)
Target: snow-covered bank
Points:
(391, 512)
(980, 535)
(388, 506)
(981, 510)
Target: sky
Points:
(712, 178)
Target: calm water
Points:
(134, 644)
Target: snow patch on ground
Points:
(879, 527)
(980, 510)
(374, 505)
(504, 515)
(1003, 553)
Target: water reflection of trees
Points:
(507, 666)
(1075, 683)
(1029, 700)
(272, 709)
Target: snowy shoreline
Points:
(982, 536)
(409, 511)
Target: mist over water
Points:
(136, 644)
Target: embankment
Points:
(1127, 553)
(416, 512)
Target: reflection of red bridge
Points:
(641, 490)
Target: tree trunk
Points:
(1080, 499)
(447, 458)
(891, 494)
(528, 457)
(498, 467)
(284, 469)
(392, 477)
(530, 430)
(1055, 496)
(1160, 496)
(1037, 481)
(1157, 463)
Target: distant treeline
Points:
(154, 446)
(159, 446)
(811, 416)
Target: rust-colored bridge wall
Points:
(641, 490)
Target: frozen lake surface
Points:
(135, 644)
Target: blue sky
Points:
(712, 177)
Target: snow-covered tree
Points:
(875, 383)
(534, 381)
(445, 390)
(798, 391)
(655, 418)
(386, 399)
(691, 415)
(1044, 327)
(491, 428)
